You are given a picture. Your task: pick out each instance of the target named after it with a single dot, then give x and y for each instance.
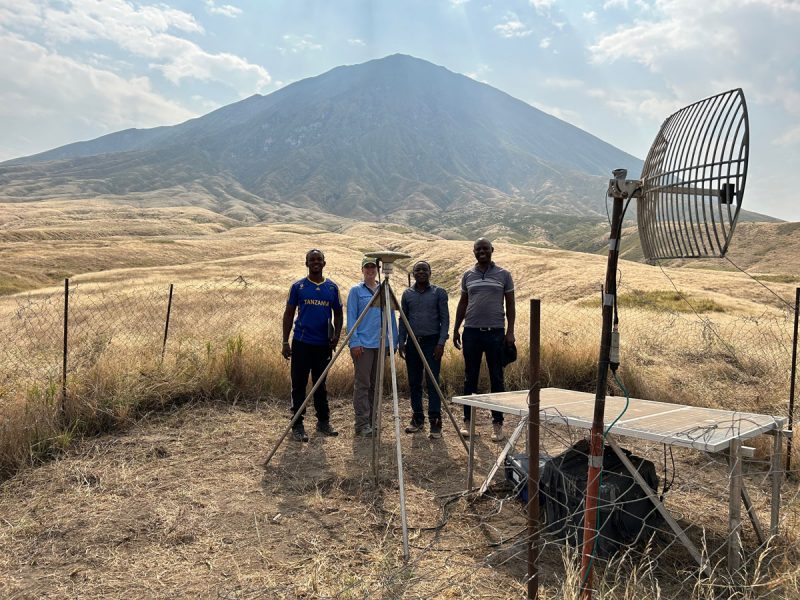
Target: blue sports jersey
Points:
(316, 302)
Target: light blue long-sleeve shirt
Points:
(368, 334)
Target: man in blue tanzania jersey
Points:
(317, 299)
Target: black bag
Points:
(626, 514)
(509, 354)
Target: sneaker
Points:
(324, 427)
(365, 432)
(465, 430)
(299, 434)
(436, 428)
(497, 432)
(415, 426)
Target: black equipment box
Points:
(516, 468)
(625, 516)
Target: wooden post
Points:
(533, 453)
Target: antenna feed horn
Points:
(619, 187)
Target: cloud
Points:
(590, 16)
(545, 42)
(512, 27)
(226, 10)
(480, 71)
(356, 42)
(542, 5)
(156, 33)
(77, 100)
(294, 44)
(563, 83)
(675, 34)
(455, 3)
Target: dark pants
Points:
(476, 343)
(415, 372)
(306, 359)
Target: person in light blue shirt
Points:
(365, 344)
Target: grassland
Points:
(230, 285)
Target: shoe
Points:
(465, 430)
(324, 427)
(365, 432)
(299, 434)
(415, 426)
(436, 428)
(497, 432)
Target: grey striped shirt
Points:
(486, 293)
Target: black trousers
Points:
(476, 343)
(306, 359)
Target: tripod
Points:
(384, 298)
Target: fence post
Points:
(166, 324)
(793, 376)
(64, 354)
(533, 454)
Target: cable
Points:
(766, 287)
(697, 314)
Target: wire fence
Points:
(738, 360)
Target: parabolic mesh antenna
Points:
(689, 198)
(693, 179)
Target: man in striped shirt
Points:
(485, 290)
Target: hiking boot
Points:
(299, 434)
(436, 428)
(415, 426)
(324, 427)
(365, 432)
(497, 432)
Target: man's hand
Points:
(510, 338)
(438, 352)
(334, 341)
(286, 350)
(356, 352)
(456, 339)
(401, 350)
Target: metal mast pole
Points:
(596, 442)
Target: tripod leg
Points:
(320, 380)
(446, 408)
(376, 408)
(396, 406)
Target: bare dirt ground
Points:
(181, 506)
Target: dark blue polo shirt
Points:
(316, 302)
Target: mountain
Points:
(395, 139)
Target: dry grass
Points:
(180, 506)
(205, 525)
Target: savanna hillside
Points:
(706, 335)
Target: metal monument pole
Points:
(619, 189)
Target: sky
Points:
(73, 70)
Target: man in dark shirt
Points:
(484, 289)
(317, 298)
(425, 306)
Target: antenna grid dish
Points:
(693, 179)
